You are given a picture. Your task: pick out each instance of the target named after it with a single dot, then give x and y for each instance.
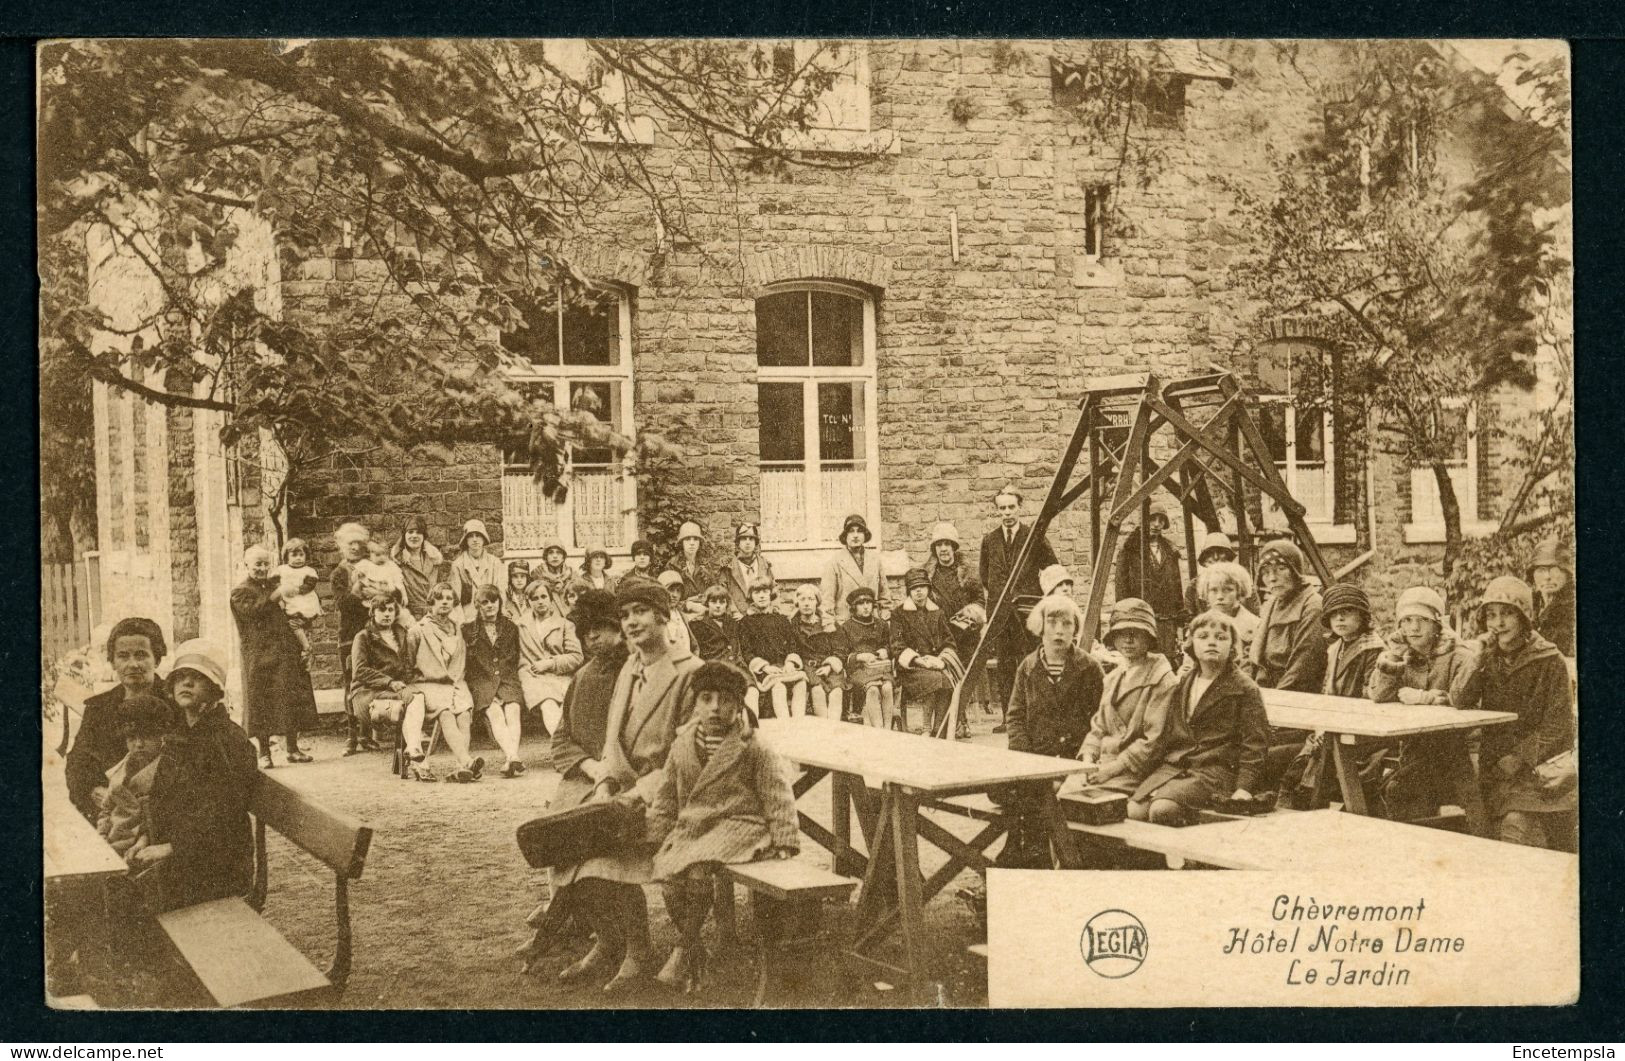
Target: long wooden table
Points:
(886, 777)
(80, 867)
(1351, 721)
(1329, 839)
(74, 850)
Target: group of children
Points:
(436, 669)
(1177, 739)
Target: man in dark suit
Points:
(1010, 642)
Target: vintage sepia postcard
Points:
(560, 524)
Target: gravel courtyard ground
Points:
(441, 907)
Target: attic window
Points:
(1164, 99)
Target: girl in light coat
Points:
(549, 654)
(439, 656)
(1124, 734)
(474, 567)
(1426, 663)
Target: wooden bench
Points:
(800, 886)
(238, 956)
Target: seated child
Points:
(1124, 735)
(923, 645)
(202, 847)
(724, 799)
(715, 631)
(1426, 663)
(816, 644)
(492, 674)
(379, 574)
(865, 643)
(1215, 735)
(380, 669)
(1527, 766)
(1350, 656)
(767, 643)
(1225, 585)
(549, 654)
(1289, 650)
(298, 579)
(145, 720)
(677, 630)
(1055, 697)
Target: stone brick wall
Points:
(981, 360)
(183, 530)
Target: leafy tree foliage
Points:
(1430, 279)
(462, 166)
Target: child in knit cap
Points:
(1425, 662)
(1351, 655)
(724, 799)
(1530, 780)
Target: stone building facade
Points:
(907, 326)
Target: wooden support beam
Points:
(1138, 432)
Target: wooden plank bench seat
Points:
(791, 878)
(795, 885)
(240, 958)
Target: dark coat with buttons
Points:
(1211, 749)
(1048, 717)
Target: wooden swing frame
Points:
(1118, 419)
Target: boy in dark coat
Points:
(1527, 766)
(716, 631)
(1000, 547)
(767, 644)
(1215, 736)
(922, 643)
(724, 799)
(865, 643)
(1056, 695)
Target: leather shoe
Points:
(596, 962)
(630, 977)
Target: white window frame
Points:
(1323, 524)
(573, 57)
(844, 122)
(1428, 526)
(809, 549)
(561, 376)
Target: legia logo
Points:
(1113, 943)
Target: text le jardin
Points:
(1339, 954)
